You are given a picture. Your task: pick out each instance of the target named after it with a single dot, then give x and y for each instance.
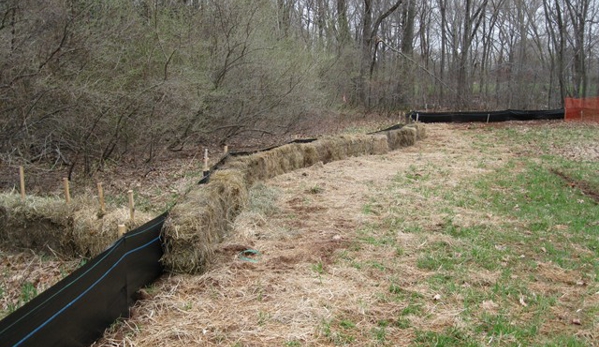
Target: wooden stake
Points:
(101, 198)
(22, 179)
(488, 116)
(122, 230)
(226, 149)
(67, 190)
(206, 168)
(131, 206)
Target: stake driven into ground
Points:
(467, 238)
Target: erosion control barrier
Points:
(48, 224)
(485, 116)
(199, 222)
(77, 310)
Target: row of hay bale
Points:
(48, 224)
(199, 222)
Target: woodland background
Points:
(86, 82)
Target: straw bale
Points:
(197, 224)
(310, 154)
(379, 144)
(326, 150)
(406, 136)
(253, 167)
(72, 230)
(91, 235)
(420, 130)
(39, 223)
(356, 145)
(341, 147)
(280, 160)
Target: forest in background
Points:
(86, 82)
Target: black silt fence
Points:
(482, 116)
(77, 310)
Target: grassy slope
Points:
(543, 247)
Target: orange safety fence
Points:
(586, 109)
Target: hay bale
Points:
(91, 235)
(379, 144)
(420, 130)
(72, 230)
(326, 150)
(196, 225)
(310, 154)
(280, 160)
(39, 223)
(345, 146)
(406, 136)
(341, 147)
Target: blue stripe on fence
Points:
(112, 248)
(87, 290)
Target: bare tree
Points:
(370, 27)
(473, 14)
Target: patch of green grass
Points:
(347, 324)
(315, 190)
(403, 323)
(338, 334)
(28, 292)
(567, 341)
(413, 308)
(377, 265)
(395, 289)
(318, 268)
(380, 332)
(448, 337)
(492, 270)
(550, 210)
(439, 256)
(372, 235)
(501, 326)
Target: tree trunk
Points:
(369, 30)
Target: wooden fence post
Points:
(67, 190)
(122, 230)
(22, 182)
(101, 198)
(206, 169)
(131, 206)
